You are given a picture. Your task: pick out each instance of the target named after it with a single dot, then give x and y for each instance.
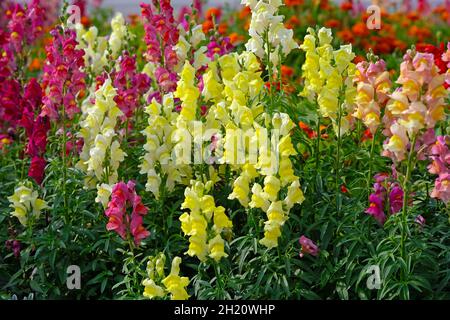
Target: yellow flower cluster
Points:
(26, 204)
(157, 285)
(241, 138)
(118, 34)
(278, 180)
(195, 223)
(157, 163)
(189, 47)
(101, 154)
(328, 77)
(269, 38)
(94, 48)
(188, 92)
(252, 151)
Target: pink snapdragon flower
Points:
(442, 188)
(308, 247)
(129, 83)
(373, 87)
(14, 246)
(161, 37)
(218, 46)
(63, 76)
(424, 7)
(420, 220)
(124, 198)
(439, 154)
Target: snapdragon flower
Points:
(128, 226)
(101, 154)
(415, 107)
(63, 76)
(157, 285)
(26, 204)
(195, 223)
(328, 77)
(269, 38)
(440, 165)
(373, 88)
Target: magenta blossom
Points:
(14, 246)
(420, 220)
(308, 246)
(387, 198)
(396, 199)
(376, 208)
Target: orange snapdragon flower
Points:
(245, 12)
(207, 26)
(312, 134)
(333, 23)
(85, 21)
(291, 3)
(213, 12)
(293, 22)
(223, 28)
(236, 38)
(360, 29)
(346, 35)
(35, 65)
(286, 71)
(134, 19)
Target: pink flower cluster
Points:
(387, 197)
(440, 165)
(220, 46)
(161, 37)
(25, 25)
(14, 246)
(63, 78)
(308, 247)
(124, 197)
(129, 83)
(23, 28)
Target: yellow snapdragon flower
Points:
(26, 204)
(157, 285)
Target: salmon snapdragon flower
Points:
(416, 107)
(373, 87)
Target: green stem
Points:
(406, 190)
(269, 70)
(218, 277)
(64, 159)
(318, 143)
(338, 158)
(372, 148)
